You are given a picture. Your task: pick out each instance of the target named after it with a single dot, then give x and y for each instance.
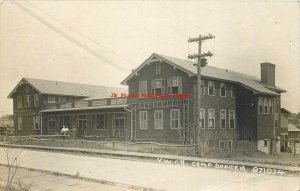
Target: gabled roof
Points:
(245, 80)
(69, 89)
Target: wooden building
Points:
(233, 105)
(160, 105)
(44, 107)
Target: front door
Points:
(119, 125)
(82, 125)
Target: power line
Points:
(185, 19)
(70, 38)
(164, 22)
(81, 34)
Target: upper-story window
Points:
(222, 89)
(62, 99)
(27, 102)
(175, 85)
(157, 68)
(202, 87)
(260, 105)
(266, 105)
(158, 86)
(19, 101)
(211, 119)
(276, 120)
(36, 100)
(270, 106)
(142, 87)
(233, 91)
(276, 99)
(51, 99)
(211, 88)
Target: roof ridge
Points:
(208, 66)
(26, 78)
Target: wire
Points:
(70, 38)
(81, 34)
(185, 19)
(163, 22)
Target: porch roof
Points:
(85, 108)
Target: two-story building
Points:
(160, 105)
(233, 105)
(44, 107)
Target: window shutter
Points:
(152, 86)
(163, 86)
(169, 85)
(179, 85)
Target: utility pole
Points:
(200, 64)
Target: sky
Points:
(100, 42)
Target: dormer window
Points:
(157, 68)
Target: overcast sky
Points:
(99, 42)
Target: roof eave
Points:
(14, 90)
(124, 82)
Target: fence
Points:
(64, 141)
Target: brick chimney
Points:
(267, 74)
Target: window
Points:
(231, 119)
(36, 123)
(142, 87)
(211, 88)
(222, 144)
(20, 126)
(202, 87)
(27, 102)
(265, 143)
(52, 125)
(202, 118)
(175, 85)
(223, 119)
(158, 86)
(158, 119)
(276, 99)
(276, 120)
(209, 143)
(270, 106)
(157, 68)
(222, 89)
(36, 100)
(19, 101)
(175, 118)
(62, 99)
(211, 119)
(266, 105)
(233, 91)
(260, 103)
(98, 121)
(51, 99)
(143, 120)
(229, 144)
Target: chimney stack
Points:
(267, 74)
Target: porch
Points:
(101, 121)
